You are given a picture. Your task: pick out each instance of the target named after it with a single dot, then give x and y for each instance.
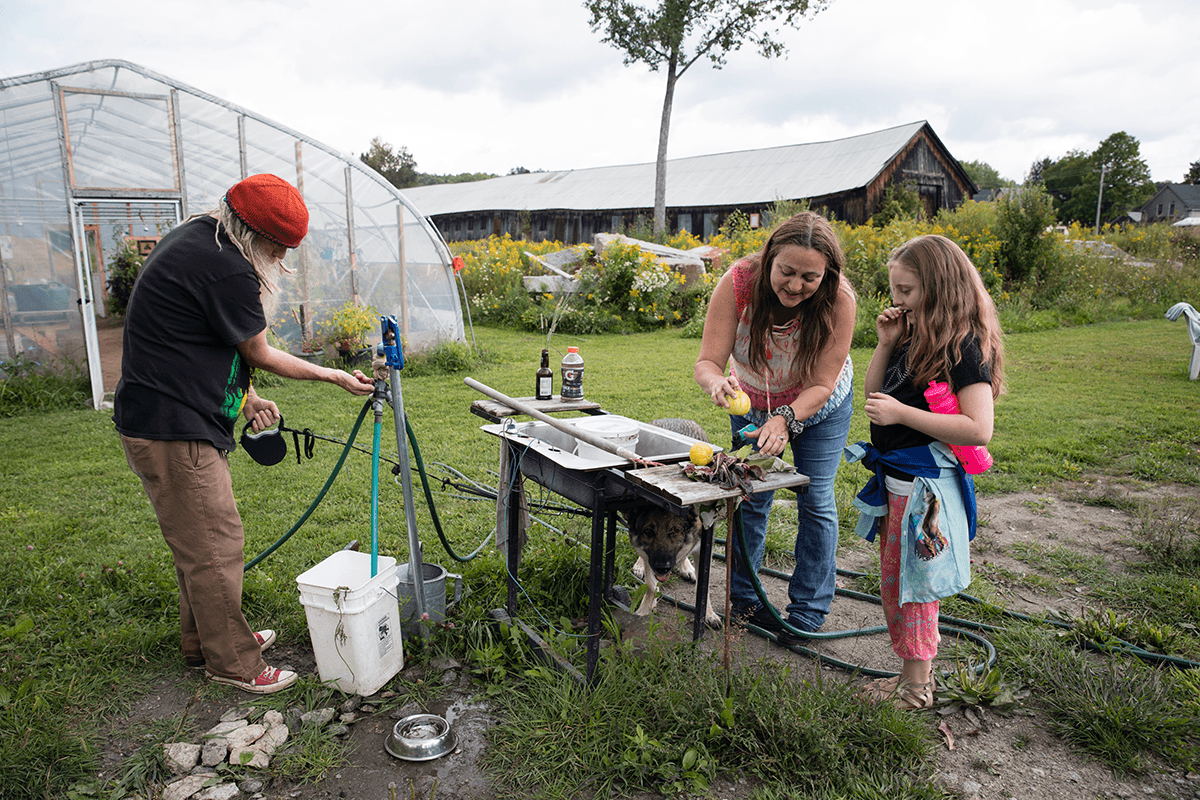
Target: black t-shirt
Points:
(182, 377)
(969, 369)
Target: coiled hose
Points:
(956, 628)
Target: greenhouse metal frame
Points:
(106, 155)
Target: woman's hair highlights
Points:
(956, 306)
(816, 315)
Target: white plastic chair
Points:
(1193, 327)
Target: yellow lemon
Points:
(739, 404)
(700, 454)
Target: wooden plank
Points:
(495, 411)
(671, 482)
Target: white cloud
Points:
(484, 86)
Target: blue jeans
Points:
(816, 453)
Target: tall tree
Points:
(1193, 175)
(677, 33)
(1127, 183)
(1074, 180)
(398, 166)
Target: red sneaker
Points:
(270, 680)
(265, 640)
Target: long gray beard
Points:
(270, 303)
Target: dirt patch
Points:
(995, 757)
(109, 334)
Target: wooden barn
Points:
(844, 178)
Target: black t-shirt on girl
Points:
(896, 383)
(182, 377)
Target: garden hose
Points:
(845, 634)
(956, 627)
(320, 495)
(437, 525)
(348, 446)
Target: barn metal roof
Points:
(741, 177)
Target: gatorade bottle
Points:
(572, 375)
(974, 458)
(544, 388)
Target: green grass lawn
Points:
(87, 589)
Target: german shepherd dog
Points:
(664, 540)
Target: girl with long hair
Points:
(942, 327)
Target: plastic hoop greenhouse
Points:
(106, 156)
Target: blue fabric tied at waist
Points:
(935, 461)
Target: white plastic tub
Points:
(620, 431)
(353, 621)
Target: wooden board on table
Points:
(495, 411)
(671, 482)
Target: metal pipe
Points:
(565, 427)
(416, 570)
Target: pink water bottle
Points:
(974, 458)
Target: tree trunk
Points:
(660, 165)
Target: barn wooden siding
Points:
(924, 164)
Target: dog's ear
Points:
(629, 518)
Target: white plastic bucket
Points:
(621, 431)
(434, 587)
(353, 621)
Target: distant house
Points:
(1173, 202)
(845, 178)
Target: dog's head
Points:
(663, 538)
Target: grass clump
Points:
(1169, 532)
(29, 387)
(670, 719)
(1119, 710)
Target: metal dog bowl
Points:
(420, 737)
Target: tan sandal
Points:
(915, 696)
(879, 689)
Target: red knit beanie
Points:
(271, 207)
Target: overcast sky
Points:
(489, 85)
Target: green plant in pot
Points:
(349, 327)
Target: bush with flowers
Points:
(1038, 276)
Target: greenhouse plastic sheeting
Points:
(100, 154)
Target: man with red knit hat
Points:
(195, 329)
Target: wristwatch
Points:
(795, 427)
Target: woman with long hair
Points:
(782, 321)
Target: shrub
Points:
(737, 238)
(123, 269)
(1026, 252)
(900, 201)
(634, 285)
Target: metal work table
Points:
(606, 487)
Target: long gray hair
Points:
(256, 249)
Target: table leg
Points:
(512, 527)
(702, 576)
(595, 589)
(610, 556)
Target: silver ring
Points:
(782, 438)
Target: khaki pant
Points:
(190, 487)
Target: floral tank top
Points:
(780, 385)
